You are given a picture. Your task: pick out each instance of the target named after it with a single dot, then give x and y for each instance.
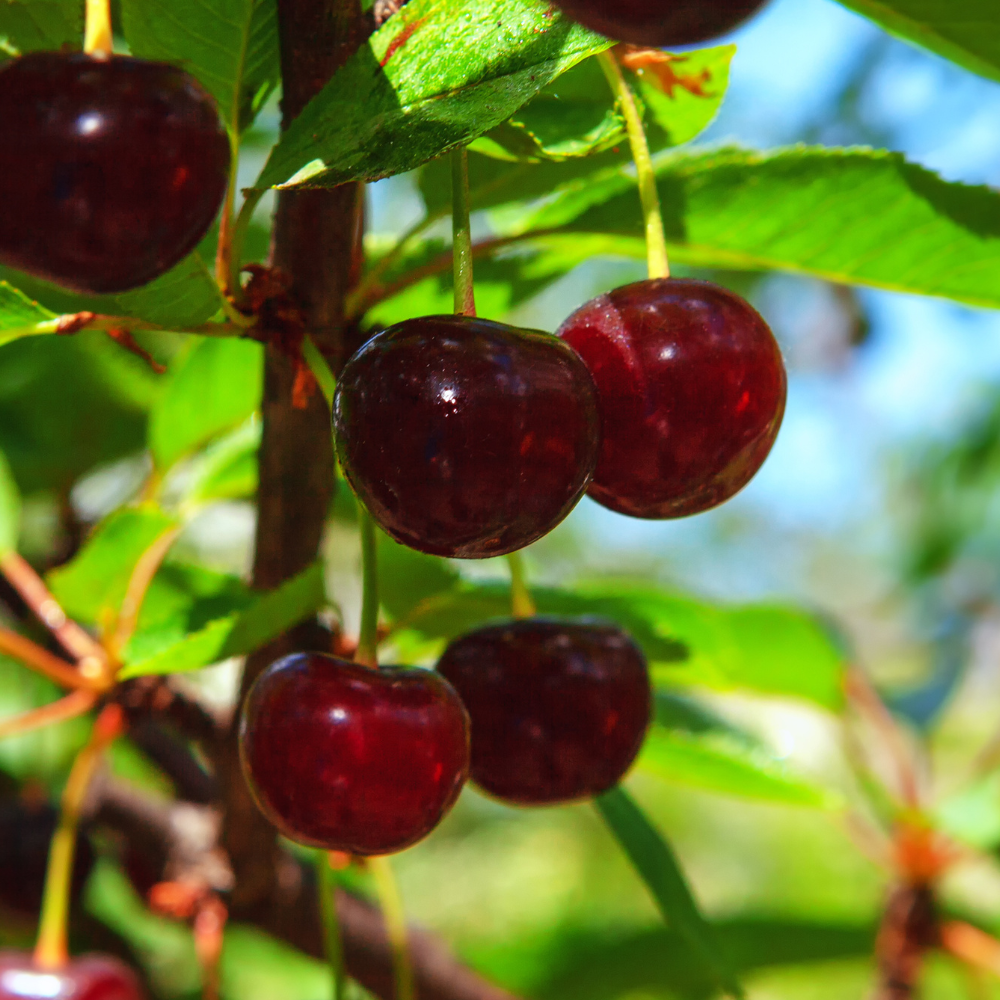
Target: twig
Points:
(70, 707)
(971, 945)
(44, 662)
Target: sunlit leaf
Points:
(19, 314)
(228, 469)
(10, 508)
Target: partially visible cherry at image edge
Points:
(658, 23)
(691, 392)
(352, 758)
(113, 169)
(465, 437)
(559, 708)
(87, 977)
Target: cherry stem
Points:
(521, 602)
(395, 925)
(368, 638)
(465, 294)
(656, 241)
(320, 369)
(331, 924)
(51, 950)
(97, 36)
(226, 261)
(69, 707)
(43, 662)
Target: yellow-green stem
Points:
(465, 295)
(395, 925)
(331, 925)
(521, 603)
(320, 369)
(656, 242)
(97, 36)
(51, 950)
(226, 262)
(368, 639)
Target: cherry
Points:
(347, 758)
(465, 437)
(559, 709)
(89, 977)
(111, 171)
(691, 390)
(654, 23)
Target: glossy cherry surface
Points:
(88, 977)
(465, 437)
(691, 390)
(347, 758)
(655, 23)
(111, 170)
(559, 709)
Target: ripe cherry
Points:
(559, 709)
(654, 23)
(465, 437)
(111, 170)
(347, 758)
(89, 977)
(691, 390)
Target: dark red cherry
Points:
(111, 170)
(465, 437)
(88, 977)
(559, 709)
(691, 390)
(351, 759)
(655, 23)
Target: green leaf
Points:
(407, 577)
(717, 763)
(230, 46)
(20, 315)
(10, 508)
(235, 634)
(210, 390)
(95, 581)
(228, 469)
(437, 74)
(655, 862)
(26, 25)
(966, 32)
(854, 216)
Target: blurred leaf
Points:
(850, 216)
(437, 74)
(210, 390)
(972, 815)
(967, 33)
(676, 711)
(44, 754)
(722, 764)
(26, 25)
(407, 577)
(94, 582)
(10, 508)
(656, 864)
(237, 634)
(18, 313)
(228, 469)
(231, 46)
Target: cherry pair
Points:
(368, 761)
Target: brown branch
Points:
(59, 711)
(42, 661)
(192, 782)
(143, 697)
(909, 930)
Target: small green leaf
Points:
(211, 389)
(27, 25)
(230, 46)
(10, 508)
(228, 469)
(718, 763)
(95, 581)
(437, 74)
(20, 316)
(655, 862)
(239, 633)
(966, 32)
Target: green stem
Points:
(51, 950)
(465, 295)
(395, 925)
(331, 924)
(656, 242)
(368, 639)
(521, 603)
(319, 368)
(238, 235)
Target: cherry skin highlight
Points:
(559, 709)
(657, 23)
(112, 169)
(465, 437)
(347, 758)
(88, 977)
(691, 390)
